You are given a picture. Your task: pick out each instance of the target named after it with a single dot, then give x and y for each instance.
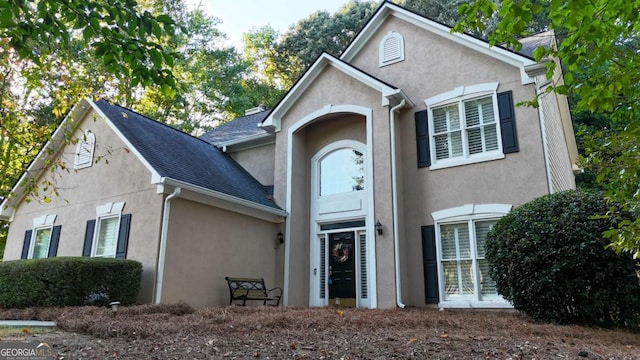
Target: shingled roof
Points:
(531, 42)
(180, 156)
(239, 128)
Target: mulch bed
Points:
(179, 332)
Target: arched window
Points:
(342, 171)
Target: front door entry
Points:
(342, 280)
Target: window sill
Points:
(443, 164)
(475, 304)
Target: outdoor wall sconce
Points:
(280, 237)
(379, 227)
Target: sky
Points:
(239, 16)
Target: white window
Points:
(464, 126)
(342, 171)
(463, 271)
(41, 236)
(84, 150)
(107, 230)
(391, 49)
(464, 267)
(41, 241)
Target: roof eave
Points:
(39, 164)
(537, 69)
(482, 46)
(114, 128)
(247, 142)
(228, 202)
(389, 94)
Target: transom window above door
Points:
(342, 171)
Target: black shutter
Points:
(53, 243)
(507, 122)
(430, 263)
(123, 236)
(88, 237)
(26, 244)
(422, 138)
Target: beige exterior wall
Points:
(205, 244)
(434, 65)
(332, 87)
(123, 178)
(258, 161)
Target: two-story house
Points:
(372, 183)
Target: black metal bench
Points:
(243, 289)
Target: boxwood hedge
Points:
(549, 259)
(68, 281)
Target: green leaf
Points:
(6, 19)
(165, 19)
(568, 79)
(87, 33)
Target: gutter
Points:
(247, 139)
(394, 194)
(222, 196)
(162, 252)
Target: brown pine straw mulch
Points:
(179, 332)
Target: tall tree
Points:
(208, 74)
(128, 39)
(52, 53)
(264, 84)
(319, 32)
(446, 12)
(599, 42)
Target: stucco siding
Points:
(258, 161)
(118, 176)
(434, 65)
(333, 87)
(205, 244)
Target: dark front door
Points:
(342, 284)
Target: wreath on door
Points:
(340, 253)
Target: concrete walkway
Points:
(26, 323)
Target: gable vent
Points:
(391, 49)
(84, 151)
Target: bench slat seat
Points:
(243, 289)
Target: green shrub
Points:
(68, 281)
(549, 259)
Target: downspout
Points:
(394, 194)
(163, 244)
(545, 149)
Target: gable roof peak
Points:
(388, 92)
(388, 8)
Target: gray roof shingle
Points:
(530, 43)
(239, 128)
(182, 157)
